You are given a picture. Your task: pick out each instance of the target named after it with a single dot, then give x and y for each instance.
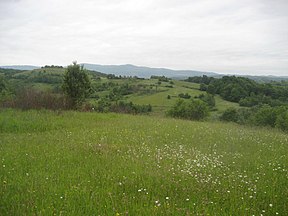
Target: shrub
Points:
(208, 98)
(265, 116)
(192, 109)
(129, 107)
(282, 121)
(244, 115)
(230, 114)
(203, 87)
(105, 105)
(185, 96)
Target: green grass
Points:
(161, 104)
(222, 104)
(159, 100)
(68, 163)
(48, 71)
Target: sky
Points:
(247, 37)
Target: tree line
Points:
(264, 104)
(244, 91)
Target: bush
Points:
(230, 114)
(265, 116)
(282, 121)
(209, 99)
(260, 99)
(203, 87)
(192, 109)
(185, 96)
(105, 105)
(5, 92)
(244, 115)
(129, 107)
(259, 116)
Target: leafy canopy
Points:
(192, 109)
(76, 85)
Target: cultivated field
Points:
(69, 163)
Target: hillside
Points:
(98, 162)
(229, 98)
(73, 163)
(142, 91)
(41, 78)
(160, 102)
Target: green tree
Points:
(282, 121)
(2, 83)
(5, 89)
(230, 114)
(192, 109)
(76, 85)
(209, 99)
(265, 116)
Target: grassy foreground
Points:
(108, 164)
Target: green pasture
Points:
(161, 104)
(70, 163)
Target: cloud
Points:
(227, 36)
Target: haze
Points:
(225, 36)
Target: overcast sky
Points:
(226, 36)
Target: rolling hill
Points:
(20, 67)
(145, 72)
(72, 163)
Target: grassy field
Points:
(161, 104)
(68, 163)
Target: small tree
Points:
(230, 114)
(265, 116)
(77, 85)
(192, 109)
(3, 86)
(282, 121)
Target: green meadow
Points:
(72, 163)
(161, 104)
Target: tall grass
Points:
(110, 164)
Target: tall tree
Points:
(76, 85)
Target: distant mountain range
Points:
(147, 72)
(20, 67)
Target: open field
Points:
(161, 104)
(68, 163)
